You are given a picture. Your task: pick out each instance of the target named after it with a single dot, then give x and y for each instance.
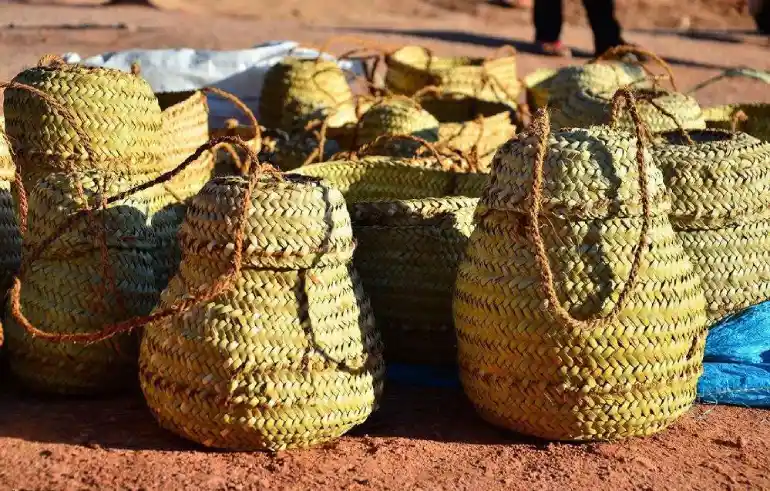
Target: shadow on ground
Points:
(496, 42)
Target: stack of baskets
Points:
(286, 357)
(412, 224)
(720, 183)
(552, 248)
(413, 68)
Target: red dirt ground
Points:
(421, 439)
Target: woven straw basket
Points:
(396, 116)
(468, 124)
(298, 90)
(721, 212)
(66, 289)
(526, 362)
(412, 68)
(411, 226)
(582, 95)
(118, 112)
(753, 119)
(10, 238)
(537, 84)
(289, 357)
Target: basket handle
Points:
(751, 73)
(541, 127)
(618, 51)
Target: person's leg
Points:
(606, 29)
(547, 17)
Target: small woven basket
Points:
(299, 90)
(396, 116)
(471, 125)
(720, 186)
(526, 362)
(753, 119)
(117, 112)
(288, 357)
(581, 96)
(66, 290)
(413, 68)
(411, 226)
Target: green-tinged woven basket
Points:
(412, 68)
(289, 357)
(10, 237)
(522, 364)
(117, 111)
(472, 125)
(721, 212)
(753, 119)
(66, 290)
(299, 90)
(581, 96)
(396, 116)
(411, 225)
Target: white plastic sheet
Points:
(239, 72)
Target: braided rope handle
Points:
(618, 51)
(201, 295)
(541, 127)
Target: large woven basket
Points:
(721, 211)
(299, 90)
(67, 290)
(471, 125)
(753, 119)
(411, 225)
(413, 68)
(539, 267)
(289, 357)
(117, 112)
(581, 96)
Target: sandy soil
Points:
(421, 439)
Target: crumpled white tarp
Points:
(239, 72)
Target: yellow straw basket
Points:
(753, 119)
(299, 90)
(413, 68)
(581, 96)
(411, 225)
(583, 233)
(117, 112)
(396, 116)
(287, 357)
(471, 125)
(185, 121)
(720, 185)
(66, 290)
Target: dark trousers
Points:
(601, 15)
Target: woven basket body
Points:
(119, 113)
(412, 68)
(10, 237)
(756, 120)
(582, 96)
(289, 357)
(469, 124)
(721, 212)
(297, 91)
(411, 225)
(520, 365)
(396, 117)
(66, 290)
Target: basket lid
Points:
(588, 173)
(291, 222)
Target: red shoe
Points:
(555, 48)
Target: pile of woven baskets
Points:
(257, 278)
